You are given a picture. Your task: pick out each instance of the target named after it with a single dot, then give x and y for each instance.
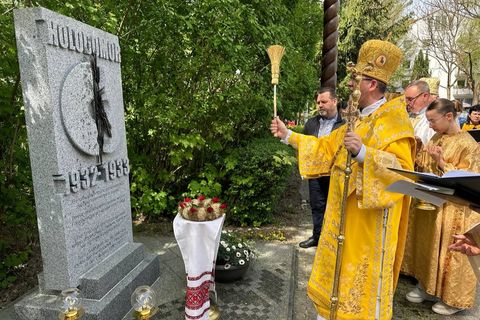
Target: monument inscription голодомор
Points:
(72, 89)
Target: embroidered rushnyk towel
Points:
(198, 242)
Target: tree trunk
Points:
(449, 86)
(476, 91)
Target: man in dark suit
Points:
(328, 119)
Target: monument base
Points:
(106, 288)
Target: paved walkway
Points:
(265, 292)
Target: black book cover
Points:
(466, 184)
(475, 134)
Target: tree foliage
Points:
(257, 175)
(210, 91)
(420, 67)
(468, 60)
(441, 28)
(451, 36)
(362, 20)
(469, 8)
(196, 85)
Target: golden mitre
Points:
(378, 59)
(433, 84)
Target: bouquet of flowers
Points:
(233, 251)
(201, 208)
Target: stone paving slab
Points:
(265, 292)
(404, 310)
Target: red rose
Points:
(181, 205)
(193, 209)
(187, 200)
(215, 200)
(209, 209)
(223, 206)
(201, 197)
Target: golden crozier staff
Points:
(351, 115)
(275, 53)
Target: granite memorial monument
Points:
(72, 90)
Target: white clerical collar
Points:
(371, 108)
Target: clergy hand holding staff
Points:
(360, 249)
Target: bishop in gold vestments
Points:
(376, 220)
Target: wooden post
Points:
(330, 47)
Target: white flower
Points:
(248, 259)
(238, 254)
(224, 232)
(234, 248)
(227, 249)
(241, 262)
(223, 243)
(227, 266)
(227, 258)
(240, 245)
(245, 252)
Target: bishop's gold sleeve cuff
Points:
(315, 155)
(374, 176)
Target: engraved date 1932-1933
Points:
(85, 178)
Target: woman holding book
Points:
(444, 276)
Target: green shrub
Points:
(257, 176)
(208, 182)
(17, 225)
(143, 197)
(297, 128)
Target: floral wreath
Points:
(201, 208)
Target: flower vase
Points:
(233, 273)
(198, 242)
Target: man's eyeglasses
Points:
(411, 99)
(363, 78)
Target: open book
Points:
(458, 186)
(474, 232)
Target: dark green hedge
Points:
(257, 176)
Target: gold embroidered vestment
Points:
(388, 137)
(445, 274)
